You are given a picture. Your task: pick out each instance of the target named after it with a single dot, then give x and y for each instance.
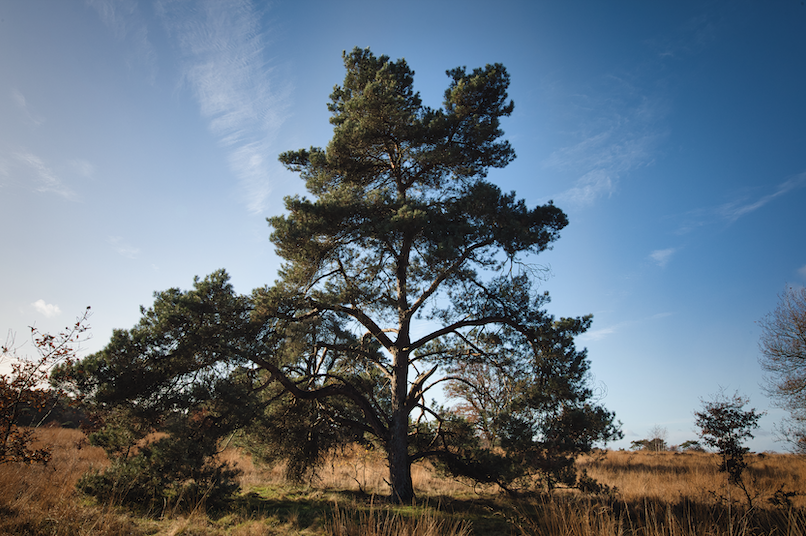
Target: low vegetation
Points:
(651, 493)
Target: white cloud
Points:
(82, 167)
(47, 309)
(735, 210)
(122, 17)
(619, 138)
(19, 99)
(35, 173)
(731, 212)
(22, 103)
(225, 65)
(115, 14)
(802, 271)
(123, 248)
(662, 256)
(587, 152)
(44, 178)
(599, 334)
(588, 188)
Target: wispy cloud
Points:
(621, 129)
(82, 167)
(589, 188)
(802, 271)
(735, 210)
(47, 309)
(117, 15)
(601, 333)
(662, 256)
(123, 248)
(44, 179)
(622, 137)
(126, 23)
(225, 63)
(31, 117)
(696, 34)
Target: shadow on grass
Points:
(496, 515)
(312, 509)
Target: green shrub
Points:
(171, 473)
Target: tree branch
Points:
(434, 286)
(327, 391)
(483, 321)
(416, 390)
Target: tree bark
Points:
(397, 447)
(399, 463)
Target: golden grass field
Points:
(658, 494)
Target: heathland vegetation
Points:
(651, 493)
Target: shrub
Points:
(175, 473)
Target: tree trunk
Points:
(399, 463)
(397, 447)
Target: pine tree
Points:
(404, 269)
(403, 225)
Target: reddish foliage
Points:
(25, 394)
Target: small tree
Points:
(691, 445)
(656, 442)
(176, 373)
(532, 417)
(639, 444)
(725, 425)
(177, 471)
(783, 351)
(657, 439)
(25, 399)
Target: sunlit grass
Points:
(658, 494)
(694, 476)
(42, 499)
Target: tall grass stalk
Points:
(42, 499)
(374, 521)
(568, 516)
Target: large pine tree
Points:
(405, 271)
(401, 226)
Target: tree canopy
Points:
(405, 270)
(783, 351)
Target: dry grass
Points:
(658, 494)
(357, 469)
(694, 477)
(647, 517)
(42, 499)
(352, 469)
(383, 522)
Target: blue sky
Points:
(139, 143)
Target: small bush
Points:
(170, 473)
